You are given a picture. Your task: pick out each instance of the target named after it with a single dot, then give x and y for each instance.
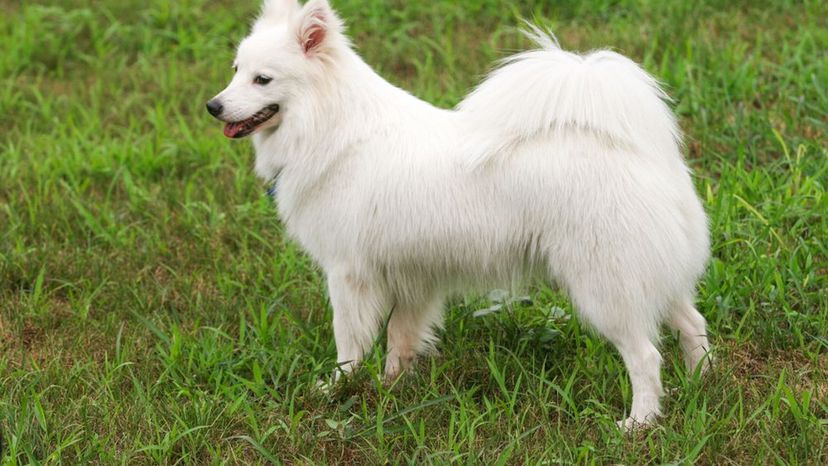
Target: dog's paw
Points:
(326, 385)
(395, 366)
(392, 371)
(699, 361)
(632, 424)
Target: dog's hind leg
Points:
(692, 334)
(629, 327)
(643, 362)
(411, 331)
(359, 306)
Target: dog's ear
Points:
(275, 12)
(316, 25)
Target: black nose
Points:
(214, 107)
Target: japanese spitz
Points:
(560, 167)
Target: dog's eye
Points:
(236, 68)
(262, 80)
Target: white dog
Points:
(559, 166)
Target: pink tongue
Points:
(232, 129)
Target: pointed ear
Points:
(317, 24)
(275, 12)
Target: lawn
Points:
(153, 311)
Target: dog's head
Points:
(287, 48)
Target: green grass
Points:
(151, 310)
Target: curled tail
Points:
(549, 89)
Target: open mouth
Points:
(240, 129)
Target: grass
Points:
(151, 310)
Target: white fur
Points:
(560, 167)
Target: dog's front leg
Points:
(359, 307)
(411, 331)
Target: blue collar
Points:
(273, 189)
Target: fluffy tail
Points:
(549, 89)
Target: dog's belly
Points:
(464, 262)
